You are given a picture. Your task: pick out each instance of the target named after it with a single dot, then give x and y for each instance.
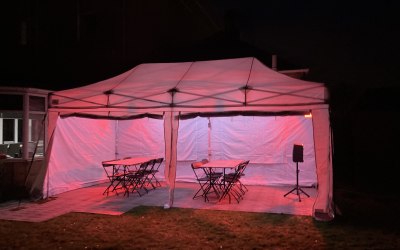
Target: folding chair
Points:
(242, 187)
(137, 178)
(115, 176)
(14, 150)
(232, 184)
(201, 178)
(3, 148)
(206, 179)
(154, 171)
(148, 174)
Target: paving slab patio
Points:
(264, 199)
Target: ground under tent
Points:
(181, 97)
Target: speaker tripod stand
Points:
(297, 188)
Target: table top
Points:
(222, 164)
(129, 161)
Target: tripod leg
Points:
(297, 182)
(304, 192)
(297, 188)
(290, 191)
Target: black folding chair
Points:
(242, 187)
(201, 178)
(206, 179)
(232, 184)
(116, 176)
(138, 177)
(148, 174)
(154, 171)
(3, 148)
(14, 150)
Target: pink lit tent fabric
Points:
(174, 92)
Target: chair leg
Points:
(202, 185)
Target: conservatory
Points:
(22, 137)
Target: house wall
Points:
(13, 174)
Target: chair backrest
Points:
(151, 164)
(109, 169)
(14, 149)
(3, 148)
(204, 161)
(196, 168)
(239, 170)
(144, 165)
(243, 166)
(157, 163)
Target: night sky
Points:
(352, 46)
(63, 44)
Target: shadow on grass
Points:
(367, 209)
(366, 220)
(177, 228)
(210, 229)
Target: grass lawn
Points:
(367, 222)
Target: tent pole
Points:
(209, 139)
(116, 139)
(274, 62)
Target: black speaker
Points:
(297, 153)
(297, 157)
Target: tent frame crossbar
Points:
(241, 113)
(292, 93)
